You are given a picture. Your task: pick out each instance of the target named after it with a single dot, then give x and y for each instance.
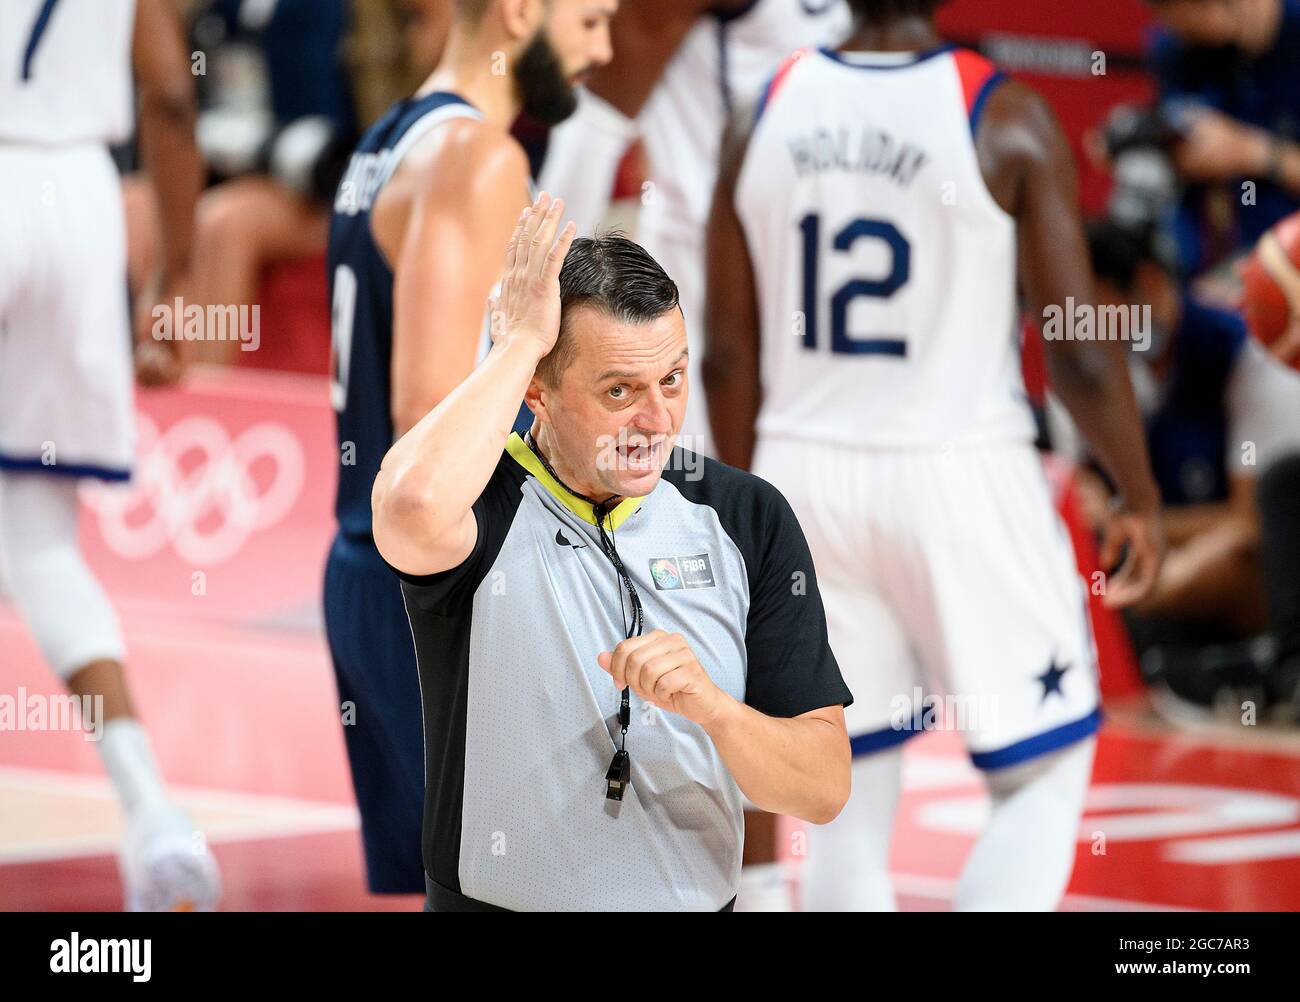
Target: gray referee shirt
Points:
(520, 722)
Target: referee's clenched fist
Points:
(662, 669)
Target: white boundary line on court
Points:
(278, 817)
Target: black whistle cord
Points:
(620, 768)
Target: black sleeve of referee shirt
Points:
(791, 668)
(449, 592)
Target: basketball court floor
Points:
(214, 558)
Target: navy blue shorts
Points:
(379, 690)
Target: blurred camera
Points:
(1140, 142)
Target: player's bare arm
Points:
(422, 499)
(798, 766)
(442, 221)
(1031, 173)
(166, 114)
(584, 153)
(731, 345)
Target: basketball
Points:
(1271, 291)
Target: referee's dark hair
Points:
(614, 275)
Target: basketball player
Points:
(872, 216)
(65, 360)
(680, 66)
(430, 197)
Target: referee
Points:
(616, 638)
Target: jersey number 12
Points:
(900, 270)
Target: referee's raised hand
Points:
(528, 305)
(422, 500)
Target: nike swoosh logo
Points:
(562, 540)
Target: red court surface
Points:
(214, 558)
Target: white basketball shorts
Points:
(952, 595)
(66, 404)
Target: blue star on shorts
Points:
(1051, 679)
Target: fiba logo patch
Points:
(676, 573)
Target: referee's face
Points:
(619, 404)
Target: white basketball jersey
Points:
(885, 270)
(724, 60)
(65, 71)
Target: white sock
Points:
(848, 859)
(1023, 859)
(128, 757)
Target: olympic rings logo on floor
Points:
(195, 490)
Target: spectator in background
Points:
(1228, 72)
(1222, 416)
(282, 82)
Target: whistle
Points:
(616, 779)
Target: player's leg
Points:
(1023, 859)
(48, 578)
(166, 865)
(380, 708)
(848, 860)
(241, 227)
(1018, 666)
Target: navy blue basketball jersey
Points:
(361, 291)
